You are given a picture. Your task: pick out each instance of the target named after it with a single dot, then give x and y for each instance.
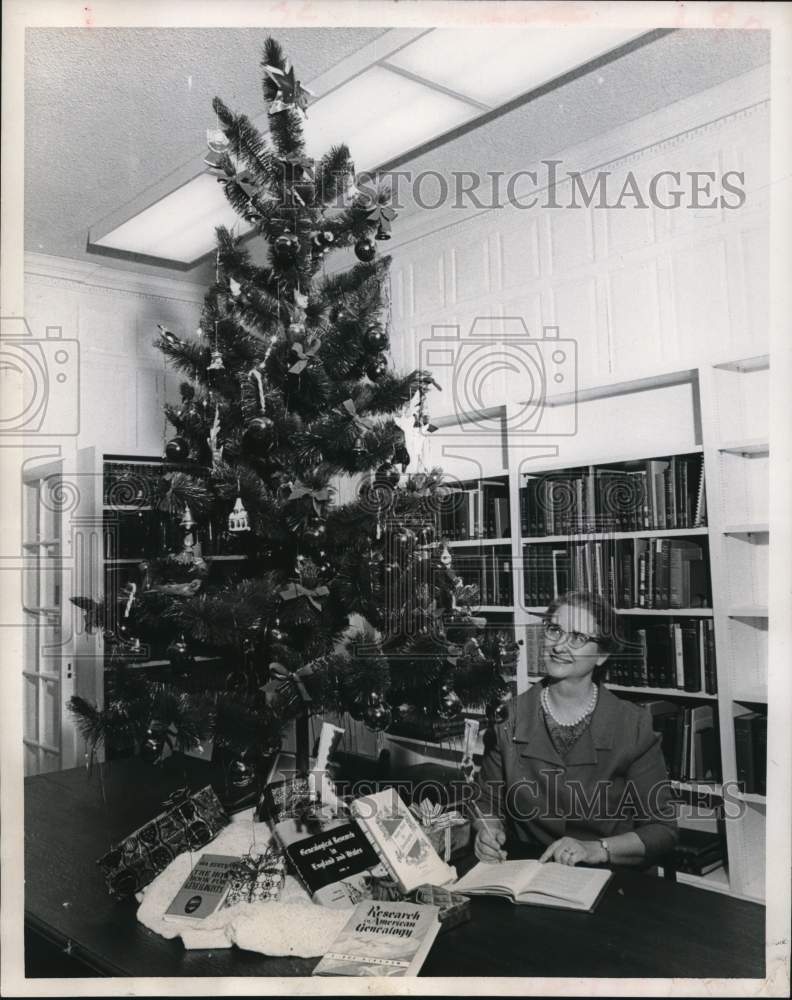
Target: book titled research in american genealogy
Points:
(382, 939)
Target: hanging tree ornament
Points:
(240, 773)
(377, 714)
(179, 654)
(168, 337)
(286, 247)
(177, 450)
(382, 216)
(216, 364)
(377, 368)
(187, 524)
(238, 521)
(213, 440)
(375, 338)
(365, 249)
(450, 704)
(217, 140)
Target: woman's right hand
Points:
(489, 842)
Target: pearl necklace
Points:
(592, 703)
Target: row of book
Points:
(656, 494)
(678, 655)
(688, 739)
(477, 511)
(492, 575)
(650, 573)
(750, 748)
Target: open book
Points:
(540, 883)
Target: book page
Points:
(566, 882)
(512, 876)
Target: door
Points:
(58, 509)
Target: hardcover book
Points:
(332, 863)
(398, 839)
(382, 939)
(204, 889)
(537, 883)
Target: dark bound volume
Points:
(760, 754)
(744, 742)
(330, 856)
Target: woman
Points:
(576, 772)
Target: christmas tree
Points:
(287, 388)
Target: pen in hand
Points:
(496, 835)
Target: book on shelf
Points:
(331, 864)
(382, 939)
(537, 883)
(750, 748)
(475, 511)
(204, 890)
(399, 841)
(688, 739)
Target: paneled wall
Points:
(113, 315)
(640, 290)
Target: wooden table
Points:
(644, 927)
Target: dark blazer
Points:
(614, 779)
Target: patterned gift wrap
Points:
(287, 799)
(257, 878)
(454, 907)
(188, 823)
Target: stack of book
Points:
(698, 852)
(689, 740)
(750, 747)
(656, 494)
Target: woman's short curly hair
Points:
(611, 637)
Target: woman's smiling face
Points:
(560, 658)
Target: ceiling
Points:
(111, 112)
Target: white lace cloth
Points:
(292, 926)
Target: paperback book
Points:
(382, 939)
(204, 890)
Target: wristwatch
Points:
(604, 845)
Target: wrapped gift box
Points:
(447, 829)
(188, 822)
(454, 907)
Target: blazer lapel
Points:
(530, 732)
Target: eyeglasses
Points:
(575, 640)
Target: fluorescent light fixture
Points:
(179, 227)
(379, 115)
(494, 65)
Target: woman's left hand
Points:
(568, 851)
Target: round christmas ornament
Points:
(377, 368)
(376, 339)
(286, 247)
(365, 249)
(257, 434)
(277, 634)
(377, 716)
(177, 450)
(240, 773)
(499, 709)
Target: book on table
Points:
(204, 890)
(382, 939)
(537, 883)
